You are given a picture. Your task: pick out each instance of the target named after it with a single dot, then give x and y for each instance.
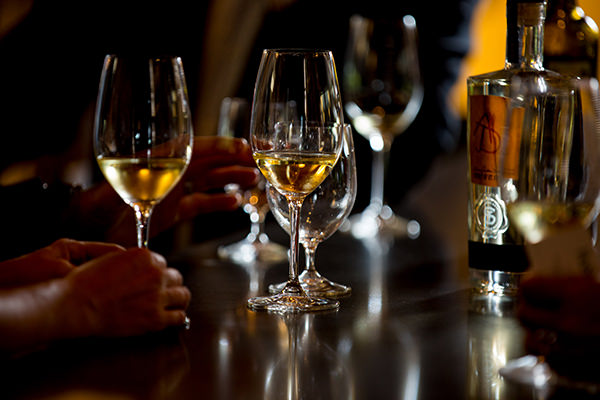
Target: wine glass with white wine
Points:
(323, 211)
(143, 131)
(383, 94)
(296, 134)
(550, 182)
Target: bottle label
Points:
(488, 122)
(513, 143)
(490, 215)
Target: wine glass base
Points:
(246, 252)
(369, 224)
(291, 303)
(316, 285)
(528, 370)
(533, 371)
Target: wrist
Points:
(72, 316)
(36, 315)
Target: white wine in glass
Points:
(383, 94)
(550, 179)
(296, 137)
(323, 211)
(143, 131)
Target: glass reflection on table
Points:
(494, 338)
(399, 362)
(306, 368)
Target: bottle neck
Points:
(525, 34)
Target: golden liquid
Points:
(141, 180)
(295, 173)
(537, 220)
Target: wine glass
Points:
(323, 211)
(296, 138)
(234, 121)
(143, 131)
(383, 95)
(550, 179)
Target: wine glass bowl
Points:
(323, 212)
(296, 138)
(143, 131)
(383, 94)
(550, 182)
(549, 177)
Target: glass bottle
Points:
(496, 253)
(570, 39)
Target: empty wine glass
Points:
(143, 131)
(234, 121)
(550, 179)
(296, 137)
(383, 94)
(323, 211)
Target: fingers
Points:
(561, 304)
(213, 153)
(553, 293)
(174, 318)
(535, 317)
(219, 146)
(78, 252)
(173, 277)
(129, 292)
(201, 203)
(177, 298)
(243, 176)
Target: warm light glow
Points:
(488, 45)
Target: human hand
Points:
(123, 293)
(216, 161)
(50, 262)
(562, 321)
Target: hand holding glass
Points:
(550, 173)
(143, 131)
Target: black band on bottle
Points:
(497, 257)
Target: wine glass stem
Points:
(309, 252)
(377, 179)
(293, 381)
(142, 223)
(294, 205)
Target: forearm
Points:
(34, 316)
